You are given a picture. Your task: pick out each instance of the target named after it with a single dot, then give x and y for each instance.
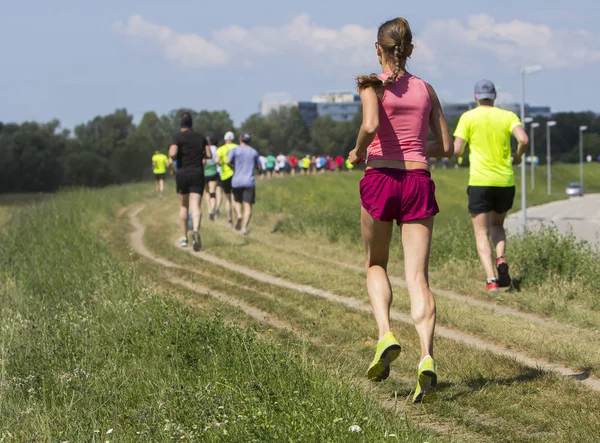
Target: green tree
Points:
(106, 134)
(214, 124)
(87, 169)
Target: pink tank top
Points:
(403, 121)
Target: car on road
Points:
(574, 190)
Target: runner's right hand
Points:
(354, 158)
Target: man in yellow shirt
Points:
(226, 176)
(487, 130)
(160, 162)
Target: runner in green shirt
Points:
(160, 162)
(226, 176)
(488, 130)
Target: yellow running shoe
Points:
(388, 350)
(426, 382)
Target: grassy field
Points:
(90, 350)
(97, 337)
(563, 277)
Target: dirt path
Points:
(136, 241)
(400, 282)
(137, 244)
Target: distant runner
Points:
(246, 159)
(211, 177)
(160, 162)
(189, 149)
(397, 187)
(293, 164)
(305, 162)
(271, 161)
(263, 166)
(491, 190)
(281, 165)
(226, 175)
(339, 161)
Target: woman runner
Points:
(398, 109)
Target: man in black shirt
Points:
(190, 150)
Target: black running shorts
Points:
(226, 185)
(211, 178)
(189, 182)
(246, 195)
(484, 199)
(159, 176)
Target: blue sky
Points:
(73, 60)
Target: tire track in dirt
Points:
(447, 429)
(136, 239)
(400, 282)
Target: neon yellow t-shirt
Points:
(306, 163)
(487, 130)
(222, 152)
(349, 165)
(160, 162)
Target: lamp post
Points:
(549, 124)
(582, 129)
(525, 71)
(533, 126)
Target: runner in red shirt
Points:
(293, 160)
(339, 161)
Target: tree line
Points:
(111, 149)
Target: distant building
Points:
(455, 110)
(275, 101)
(340, 106)
(309, 112)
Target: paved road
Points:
(579, 214)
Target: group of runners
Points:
(283, 165)
(223, 176)
(398, 111)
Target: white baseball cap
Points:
(229, 136)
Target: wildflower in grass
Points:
(354, 428)
(110, 431)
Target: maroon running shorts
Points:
(389, 194)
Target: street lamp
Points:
(532, 142)
(582, 129)
(549, 124)
(525, 71)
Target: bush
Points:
(546, 254)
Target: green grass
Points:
(558, 276)
(86, 346)
(483, 397)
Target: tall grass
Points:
(88, 353)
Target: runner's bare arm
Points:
(173, 151)
(459, 146)
(522, 140)
(369, 127)
(442, 146)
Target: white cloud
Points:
(350, 46)
(189, 50)
(442, 44)
(515, 43)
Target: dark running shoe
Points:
(197, 241)
(504, 280)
